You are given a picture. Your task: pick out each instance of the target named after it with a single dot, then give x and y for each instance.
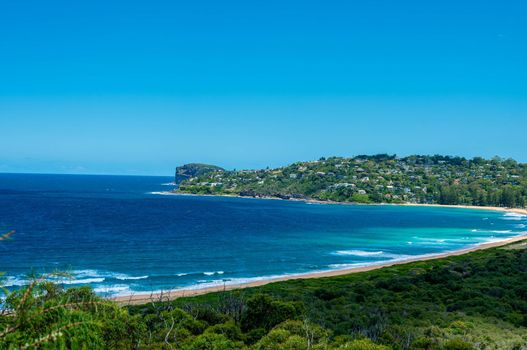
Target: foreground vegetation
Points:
(475, 301)
(376, 179)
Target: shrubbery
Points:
(476, 301)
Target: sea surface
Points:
(114, 234)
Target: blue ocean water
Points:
(112, 233)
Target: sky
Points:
(139, 87)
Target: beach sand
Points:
(137, 299)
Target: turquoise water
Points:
(112, 233)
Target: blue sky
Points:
(129, 87)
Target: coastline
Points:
(519, 211)
(163, 296)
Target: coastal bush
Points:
(212, 341)
(458, 344)
(362, 344)
(264, 312)
(44, 315)
(294, 335)
(475, 301)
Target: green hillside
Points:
(378, 179)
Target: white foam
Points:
(181, 274)
(125, 277)
(380, 255)
(432, 242)
(114, 290)
(11, 281)
(514, 216)
(493, 231)
(359, 252)
(346, 266)
(87, 273)
(79, 281)
(213, 273)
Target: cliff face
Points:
(187, 171)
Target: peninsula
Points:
(442, 180)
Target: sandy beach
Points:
(137, 299)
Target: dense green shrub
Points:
(476, 301)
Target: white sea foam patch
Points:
(379, 254)
(490, 239)
(493, 231)
(514, 216)
(347, 266)
(12, 281)
(86, 276)
(126, 277)
(213, 273)
(80, 274)
(359, 252)
(87, 273)
(115, 290)
(79, 281)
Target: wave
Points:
(89, 273)
(364, 253)
(514, 216)
(213, 273)
(86, 276)
(125, 277)
(11, 281)
(492, 231)
(114, 290)
(79, 281)
(347, 266)
(431, 241)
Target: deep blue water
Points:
(112, 233)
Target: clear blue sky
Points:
(138, 87)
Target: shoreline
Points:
(519, 211)
(163, 296)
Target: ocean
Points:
(114, 234)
